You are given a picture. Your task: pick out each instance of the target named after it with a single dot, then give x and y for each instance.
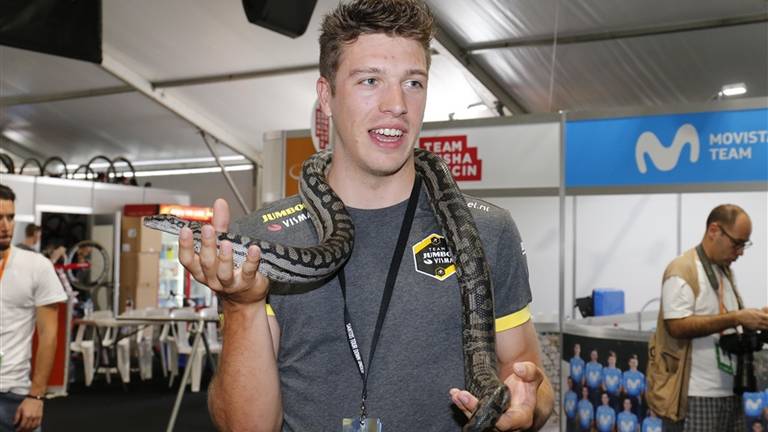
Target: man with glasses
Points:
(690, 378)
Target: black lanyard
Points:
(710, 272)
(394, 268)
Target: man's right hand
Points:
(215, 269)
(754, 319)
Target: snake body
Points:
(336, 239)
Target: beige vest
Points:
(669, 358)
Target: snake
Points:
(336, 234)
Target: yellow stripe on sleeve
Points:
(513, 320)
(270, 312)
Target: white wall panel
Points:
(109, 198)
(62, 192)
(625, 242)
(513, 156)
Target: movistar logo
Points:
(665, 158)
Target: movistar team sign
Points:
(713, 147)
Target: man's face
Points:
(7, 214)
(593, 355)
(633, 363)
(612, 361)
(577, 350)
(729, 241)
(378, 104)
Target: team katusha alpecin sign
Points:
(461, 159)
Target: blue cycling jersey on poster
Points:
(612, 380)
(753, 404)
(605, 417)
(577, 369)
(594, 372)
(586, 411)
(633, 382)
(651, 424)
(569, 404)
(626, 422)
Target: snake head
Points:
(489, 409)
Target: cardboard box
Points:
(135, 237)
(140, 269)
(142, 296)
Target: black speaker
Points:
(586, 307)
(67, 28)
(287, 17)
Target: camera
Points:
(744, 345)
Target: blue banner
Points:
(711, 147)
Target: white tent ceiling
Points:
(200, 64)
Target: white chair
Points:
(123, 346)
(87, 347)
(180, 344)
(176, 336)
(145, 342)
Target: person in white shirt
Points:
(29, 291)
(702, 318)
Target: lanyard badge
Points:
(364, 423)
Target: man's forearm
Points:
(245, 393)
(44, 358)
(47, 324)
(701, 325)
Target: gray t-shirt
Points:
(419, 354)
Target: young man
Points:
(593, 373)
(633, 383)
(612, 380)
(605, 415)
(700, 301)
(570, 400)
(651, 423)
(29, 291)
(586, 411)
(31, 238)
(576, 369)
(626, 421)
(292, 367)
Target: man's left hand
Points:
(29, 415)
(523, 386)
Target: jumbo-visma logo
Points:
(666, 158)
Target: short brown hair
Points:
(410, 19)
(31, 229)
(6, 193)
(725, 214)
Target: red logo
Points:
(274, 227)
(461, 159)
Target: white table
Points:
(198, 329)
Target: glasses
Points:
(737, 243)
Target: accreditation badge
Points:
(370, 424)
(724, 361)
